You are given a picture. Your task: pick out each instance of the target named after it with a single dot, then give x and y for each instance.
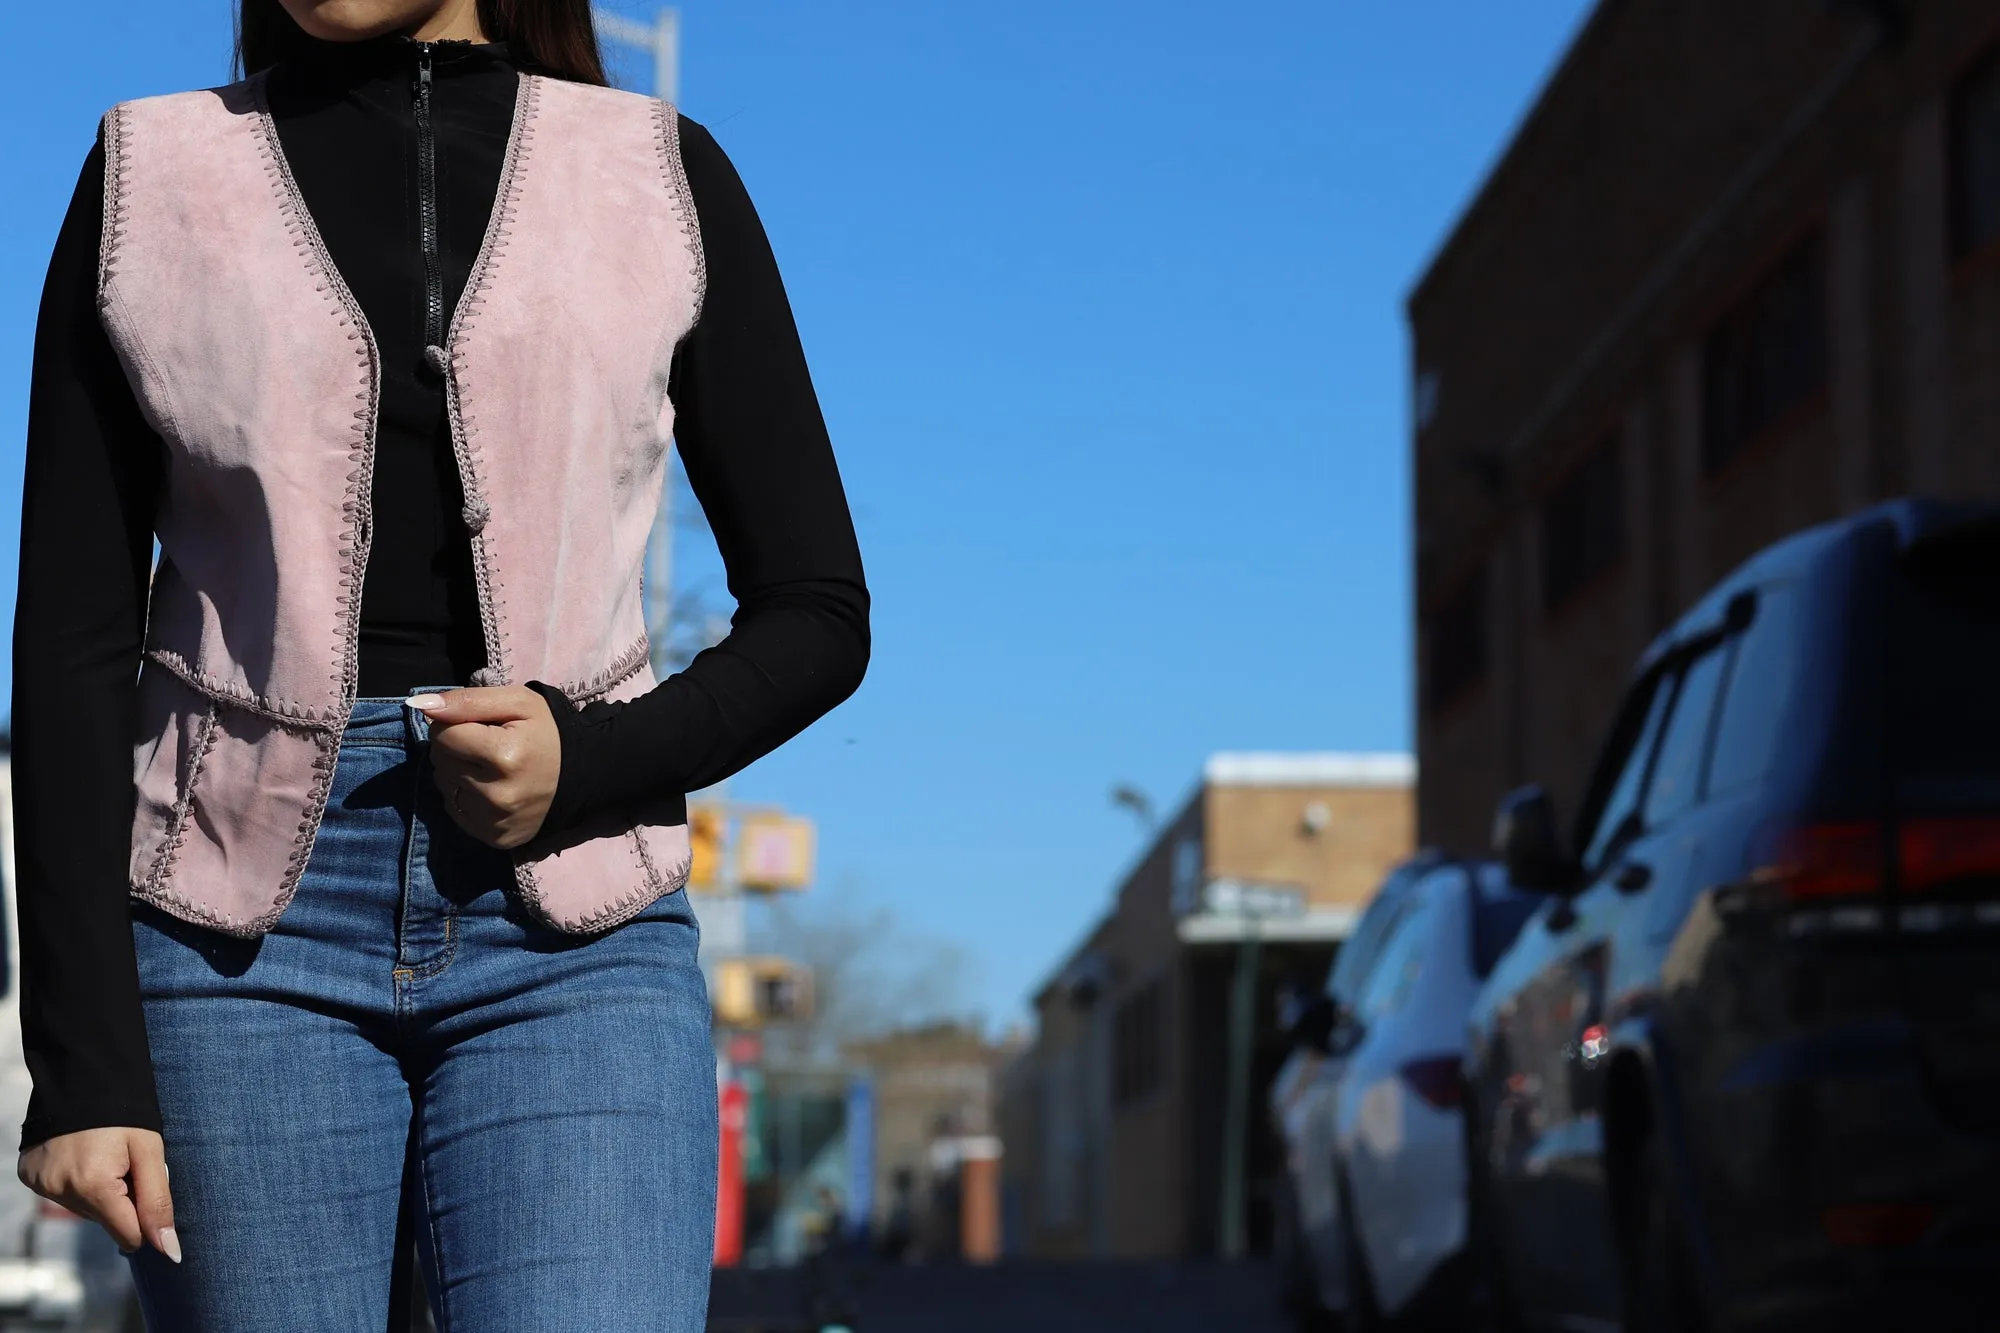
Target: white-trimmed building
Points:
(1114, 1119)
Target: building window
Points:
(1455, 643)
(1975, 156)
(1062, 1145)
(1138, 1037)
(1424, 401)
(1583, 525)
(1767, 355)
(1187, 870)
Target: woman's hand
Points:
(115, 1177)
(496, 754)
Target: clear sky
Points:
(1103, 300)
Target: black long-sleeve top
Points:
(748, 428)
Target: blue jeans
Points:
(554, 1093)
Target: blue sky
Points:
(1103, 301)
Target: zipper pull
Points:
(424, 70)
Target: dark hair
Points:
(554, 37)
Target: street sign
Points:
(1246, 897)
(774, 852)
(860, 1155)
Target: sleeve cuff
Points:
(570, 805)
(41, 1126)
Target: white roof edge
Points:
(1310, 769)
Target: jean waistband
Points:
(381, 720)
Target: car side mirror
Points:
(1525, 841)
(1315, 1024)
(1347, 1030)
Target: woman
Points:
(352, 834)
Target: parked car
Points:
(1375, 1145)
(1744, 1070)
(57, 1271)
(1299, 1098)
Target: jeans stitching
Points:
(434, 1285)
(437, 962)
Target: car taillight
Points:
(1822, 860)
(1437, 1080)
(1938, 851)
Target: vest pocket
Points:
(176, 728)
(228, 803)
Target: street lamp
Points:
(1250, 903)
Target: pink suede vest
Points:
(252, 360)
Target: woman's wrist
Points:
(571, 804)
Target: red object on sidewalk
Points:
(979, 1199)
(735, 1113)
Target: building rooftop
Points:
(1309, 769)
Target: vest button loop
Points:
(475, 515)
(435, 358)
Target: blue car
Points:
(1742, 1071)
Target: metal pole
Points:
(662, 37)
(1236, 1111)
(667, 56)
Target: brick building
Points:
(934, 1087)
(1737, 273)
(1113, 1118)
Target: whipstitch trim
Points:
(667, 883)
(117, 133)
(117, 163)
(464, 430)
(651, 888)
(355, 502)
(622, 668)
(669, 119)
(153, 886)
(285, 714)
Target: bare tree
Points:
(697, 617)
(870, 975)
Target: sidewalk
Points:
(1007, 1298)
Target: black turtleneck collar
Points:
(344, 63)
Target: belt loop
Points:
(415, 719)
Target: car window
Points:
(1676, 781)
(1499, 910)
(1396, 972)
(1633, 746)
(1943, 707)
(1760, 681)
(1351, 965)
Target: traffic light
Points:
(750, 992)
(705, 833)
(774, 852)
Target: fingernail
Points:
(424, 703)
(169, 1243)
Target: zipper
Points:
(427, 216)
